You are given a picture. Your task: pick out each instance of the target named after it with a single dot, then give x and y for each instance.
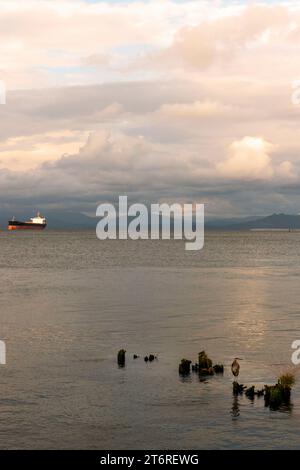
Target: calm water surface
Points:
(69, 302)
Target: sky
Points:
(161, 100)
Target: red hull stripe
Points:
(25, 227)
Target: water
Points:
(69, 302)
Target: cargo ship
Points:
(35, 223)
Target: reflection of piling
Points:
(235, 410)
(121, 357)
(238, 389)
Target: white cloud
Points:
(248, 159)
(287, 171)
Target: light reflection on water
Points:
(70, 302)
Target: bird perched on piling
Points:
(235, 367)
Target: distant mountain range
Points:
(66, 220)
(274, 221)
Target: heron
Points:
(235, 367)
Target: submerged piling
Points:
(280, 393)
(204, 364)
(121, 357)
(184, 367)
(204, 361)
(218, 368)
(277, 395)
(250, 392)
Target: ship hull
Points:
(14, 225)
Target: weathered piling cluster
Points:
(204, 366)
(250, 392)
(274, 395)
(121, 357)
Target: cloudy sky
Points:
(162, 100)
